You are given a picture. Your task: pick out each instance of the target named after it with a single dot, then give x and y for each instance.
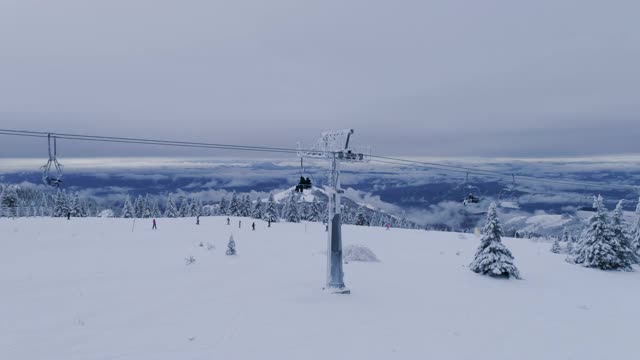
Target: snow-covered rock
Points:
(359, 253)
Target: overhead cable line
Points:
(375, 158)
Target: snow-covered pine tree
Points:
(597, 247)
(303, 209)
(155, 209)
(76, 206)
(361, 217)
(375, 219)
(256, 212)
(565, 235)
(9, 201)
(60, 204)
(270, 212)
(246, 206)
(290, 212)
(231, 246)
(493, 258)
(138, 206)
(570, 249)
(555, 248)
(314, 211)
(621, 239)
(128, 210)
(171, 208)
(635, 231)
(193, 209)
(223, 207)
(184, 208)
(234, 205)
(146, 207)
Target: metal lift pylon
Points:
(335, 146)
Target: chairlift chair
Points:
(304, 183)
(52, 170)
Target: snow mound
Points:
(359, 253)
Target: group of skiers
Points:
(154, 224)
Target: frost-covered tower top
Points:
(492, 257)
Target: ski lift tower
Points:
(335, 146)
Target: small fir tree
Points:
(555, 248)
(493, 258)
(231, 246)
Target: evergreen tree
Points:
(9, 201)
(138, 207)
(223, 208)
(155, 210)
(635, 231)
(128, 210)
(75, 205)
(231, 246)
(314, 212)
(184, 208)
(555, 248)
(270, 212)
(246, 206)
(303, 209)
(570, 249)
(171, 210)
(565, 235)
(234, 206)
(493, 258)
(290, 212)
(621, 239)
(193, 209)
(598, 247)
(257, 212)
(146, 207)
(361, 217)
(60, 208)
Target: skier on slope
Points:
(253, 226)
(198, 220)
(239, 224)
(155, 226)
(228, 221)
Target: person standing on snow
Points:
(253, 226)
(198, 220)
(239, 224)
(228, 221)
(155, 226)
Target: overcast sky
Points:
(428, 77)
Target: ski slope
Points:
(102, 289)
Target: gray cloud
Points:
(441, 77)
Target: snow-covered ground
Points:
(94, 289)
